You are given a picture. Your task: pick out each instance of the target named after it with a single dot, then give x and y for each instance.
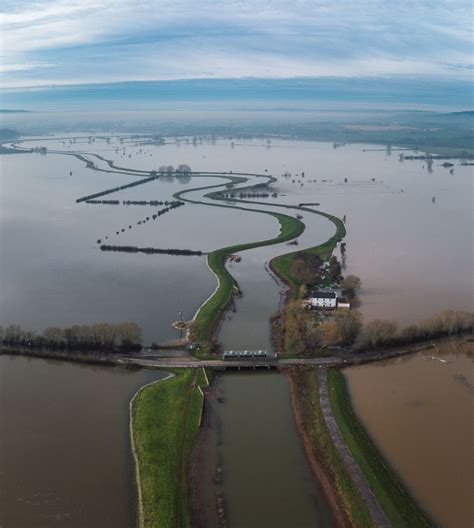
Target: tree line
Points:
(161, 212)
(150, 250)
(303, 332)
(105, 337)
(151, 202)
(115, 189)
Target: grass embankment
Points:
(397, 502)
(165, 419)
(281, 265)
(211, 311)
(321, 447)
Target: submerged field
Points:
(395, 212)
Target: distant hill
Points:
(3, 111)
(466, 113)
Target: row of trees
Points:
(181, 170)
(98, 337)
(161, 212)
(151, 202)
(89, 197)
(150, 250)
(304, 332)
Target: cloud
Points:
(88, 40)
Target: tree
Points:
(348, 325)
(306, 268)
(53, 336)
(343, 329)
(334, 268)
(129, 334)
(377, 333)
(329, 333)
(351, 285)
(183, 169)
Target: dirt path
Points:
(376, 511)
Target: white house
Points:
(324, 299)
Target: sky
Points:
(62, 42)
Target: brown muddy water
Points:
(253, 456)
(65, 455)
(419, 409)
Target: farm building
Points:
(324, 299)
(328, 299)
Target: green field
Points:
(398, 504)
(165, 419)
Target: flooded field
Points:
(254, 457)
(408, 239)
(65, 457)
(419, 409)
(400, 217)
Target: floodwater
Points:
(53, 273)
(254, 457)
(408, 229)
(408, 239)
(419, 409)
(65, 455)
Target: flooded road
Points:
(255, 458)
(419, 409)
(65, 456)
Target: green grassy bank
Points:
(211, 312)
(397, 502)
(307, 406)
(281, 265)
(165, 419)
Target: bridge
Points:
(226, 364)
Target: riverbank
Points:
(323, 457)
(165, 419)
(209, 314)
(396, 501)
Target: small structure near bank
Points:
(328, 299)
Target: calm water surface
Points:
(419, 409)
(65, 456)
(265, 478)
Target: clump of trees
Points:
(334, 269)
(306, 267)
(341, 330)
(350, 286)
(105, 337)
(300, 333)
